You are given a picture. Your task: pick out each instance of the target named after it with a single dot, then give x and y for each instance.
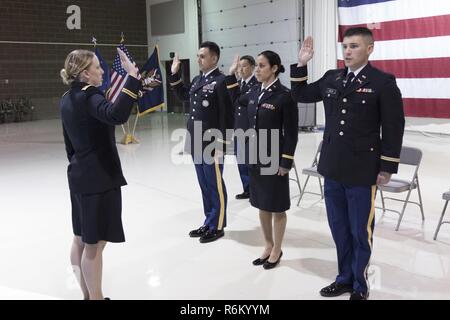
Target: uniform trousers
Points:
(239, 151)
(351, 217)
(214, 194)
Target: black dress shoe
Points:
(260, 261)
(358, 296)
(336, 289)
(211, 235)
(243, 195)
(270, 265)
(198, 232)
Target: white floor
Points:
(162, 202)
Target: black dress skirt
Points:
(98, 217)
(269, 192)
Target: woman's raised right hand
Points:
(127, 65)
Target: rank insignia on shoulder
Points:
(87, 87)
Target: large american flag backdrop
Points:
(412, 41)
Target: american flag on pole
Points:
(119, 76)
(412, 41)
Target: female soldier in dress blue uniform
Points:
(94, 173)
(272, 110)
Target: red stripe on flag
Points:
(431, 108)
(434, 26)
(113, 77)
(118, 88)
(115, 86)
(413, 68)
(111, 86)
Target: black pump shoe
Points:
(260, 261)
(270, 265)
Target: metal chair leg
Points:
(382, 202)
(440, 221)
(403, 210)
(321, 188)
(303, 191)
(420, 199)
(298, 180)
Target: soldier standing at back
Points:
(245, 67)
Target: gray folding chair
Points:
(296, 180)
(446, 197)
(312, 171)
(408, 156)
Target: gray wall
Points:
(35, 41)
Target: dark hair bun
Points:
(282, 69)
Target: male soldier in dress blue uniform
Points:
(245, 67)
(210, 116)
(358, 101)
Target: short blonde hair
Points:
(76, 62)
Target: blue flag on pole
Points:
(154, 98)
(106, 79)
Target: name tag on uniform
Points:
(268, 106)
(365, 90)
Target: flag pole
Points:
(135, 122)
(126, 136)
(94, 41)
(133, 137)
(130, 138)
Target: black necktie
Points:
(242, 84)
(349, 79)
(261, 93)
